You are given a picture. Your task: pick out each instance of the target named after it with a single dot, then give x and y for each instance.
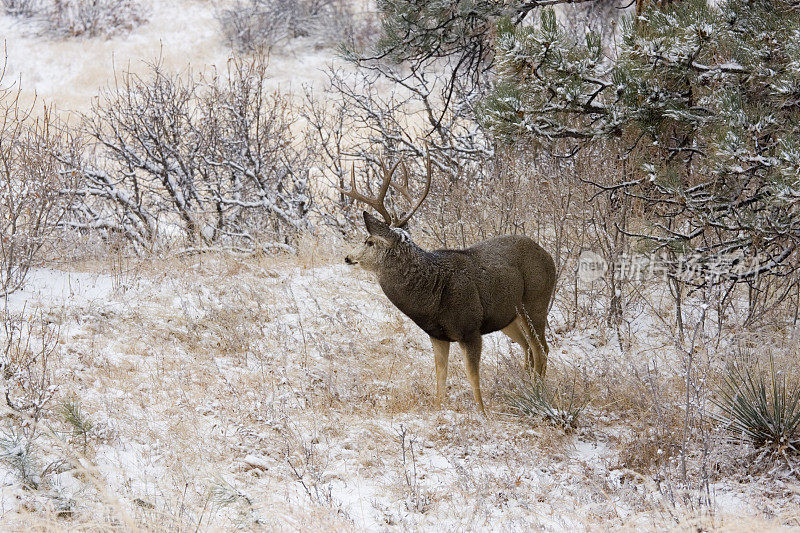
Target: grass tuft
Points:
(532, 399)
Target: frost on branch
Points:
(211, 161)
(31, 184)
(702, 102)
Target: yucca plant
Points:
(763, 407)
(532, 399)
(223, 493)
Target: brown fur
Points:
(504, 283)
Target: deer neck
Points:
(413, 282)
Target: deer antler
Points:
(378, 203)
(403, 189)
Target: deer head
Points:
(388, 237)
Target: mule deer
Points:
(501, 284)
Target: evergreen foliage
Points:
(458, 33)
(532, 399)
(82, 426)
(704, 100)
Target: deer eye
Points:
(370, 243)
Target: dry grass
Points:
(271, 392)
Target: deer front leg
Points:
(472, 360)
(441, 352)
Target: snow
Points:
(48, 287)
(179, 34)
(166, 412)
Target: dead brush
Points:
(644, 400)
(79, 18)
(223, 321)
(417, 499)
(28, 350)
(653, 442)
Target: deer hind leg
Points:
(516, 334)
(441, 353)
(534, 334)
(472, 360)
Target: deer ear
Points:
(378, 228)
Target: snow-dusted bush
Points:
(92, 18)
(252, 25)
(210, 160)
(80, 18)
(31, 185)
(255, 169)
(28, 348)
(20, 8)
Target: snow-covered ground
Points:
(274, 393)
(180, 34)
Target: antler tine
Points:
(428, 176)
(377, 203)
(387, 178)
(403, 189)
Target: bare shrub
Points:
(654, 441)
(28, 346)
(31, 188)
(80, 18)
(20, 8)
(139, 156)
(210, 161)
(252, 25)
(256, 170)
(417, 499)
(361, 122)
(92, 18)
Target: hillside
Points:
(184, 387)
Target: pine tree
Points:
(705, 101)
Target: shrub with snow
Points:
(31, 184)
(80, 18)
(257, 24)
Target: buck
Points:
(501, 284)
